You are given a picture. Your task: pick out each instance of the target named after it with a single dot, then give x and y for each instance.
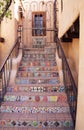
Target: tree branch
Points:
(6, 8)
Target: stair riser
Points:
(35, 109)
(38, 63)
(36, 89)
(58, 98)
(37, 81)
(36, 124)
(36, 69)
(38, 74)
(41, 56)
(38, 59)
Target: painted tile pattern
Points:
(37, 81)
(35, 124)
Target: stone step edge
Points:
(39, 94)
(29, 116)
(30, 104)
(33, 85)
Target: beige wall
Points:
(8, 31)
(31, 6)
(75, 50)
(72, 54)
(71, 10)
(80, 105)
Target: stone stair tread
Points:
(25, 128)
(39, 71)
(30, 104)
(34, 94)
(32, 52)
(33, 49)
(36, 97)
(37, 85)
(38, 78)
(39, 116)
(38, 61)
(32, 85)
(45, 84)
(35, 88)
(38, 66)
(35, 66)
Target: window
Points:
(38, 23)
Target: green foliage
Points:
(4, 8)
(3, 4)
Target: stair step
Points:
(33, 85)
(38, 55)
(48, 50)
(28, 107)
(39, 59)
(37, 52)
(36, 97)
(36, 88)
(38, 63)
(35, 80)
(30, 59)
(35, 120)
(33, 49)
(37, 68)
(40, 94)
(37, 104)
(40, 116)
(37, 74)
(39, 78)
(26, 128)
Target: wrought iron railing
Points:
(70, 86)
(6, 68)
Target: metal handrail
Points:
(70, 86)
(9, 55)
(6, 68)
(68, 68)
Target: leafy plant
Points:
(4, 8)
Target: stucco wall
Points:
(8, 28)
(72, 54)
(71, 10)
(80, 105)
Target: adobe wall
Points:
(8, 32)
(68, 14)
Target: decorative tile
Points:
(34, 69)
(37, 98)
(36, 124)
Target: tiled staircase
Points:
(37, 100)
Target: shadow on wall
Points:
(74, 73)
